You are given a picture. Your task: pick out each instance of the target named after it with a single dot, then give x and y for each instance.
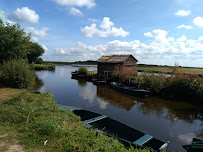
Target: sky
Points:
(161, 32)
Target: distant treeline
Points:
(89, 62)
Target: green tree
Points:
(14, 42)
(35, 51)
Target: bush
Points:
(153, 82)
(82, 70)
(17, 74)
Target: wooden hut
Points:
(108, 64)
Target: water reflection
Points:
(177, 122)
(82, 82)
(174, 111)
(115, 98)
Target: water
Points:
(177, 122)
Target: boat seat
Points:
(141, 141)
(94, 119)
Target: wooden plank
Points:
(141, 141)
(94, 119)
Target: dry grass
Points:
(8, 93)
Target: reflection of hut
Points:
(107, 64)
(115, 98)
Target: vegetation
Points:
(82, 70)
(39, 124)
(42, 67)
(17, 74)
(121, 74)
(177, 86)
(35, 51)
(168, 69)
(15, 44)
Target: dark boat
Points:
(125, 134)
(129, 90)
(98, 81)
(196, 146)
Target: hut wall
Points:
(130, 64)
(104, 67)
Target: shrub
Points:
(82, 70)
(17, 74)
(153, 82)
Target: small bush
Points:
(82, 70)
(17, 74)
(153, 82)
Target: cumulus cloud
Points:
(36, 34)
(148, 34)
(161, 50)
(79, 3)
(198, 21)
(184, 26)
(182, 38)
(75, 12)
(106, 30)
(183, 13)
(25, 15)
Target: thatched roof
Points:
(115, 58)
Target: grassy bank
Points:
(42, 67)
(34, 122)
(168, 69)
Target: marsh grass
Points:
(40, 124)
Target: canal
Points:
(177, 122)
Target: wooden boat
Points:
(98, 81)
(129, 90)
(125, 134)
(196, 146)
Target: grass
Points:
(167, 69)
(35, 122)
(8, 93)
(42, 67)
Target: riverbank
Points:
(42, 66)
(140, 67)
(34, 122)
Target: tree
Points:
(14, 42)
(35, 50)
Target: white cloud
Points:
(107, 30)
(75, 11)
(184, 26)
(44, 47)
(93, 20)
(161, 50)
(4, 18)
(106, 23)
(183, 13)
(25, 15)
(148, 34)
(79, 3)
(198, 21)
(36, 34)
(182, 38)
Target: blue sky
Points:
(162, 32)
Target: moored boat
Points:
(125, 134)
(129, 90)
(196, 146)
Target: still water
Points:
(177, 122)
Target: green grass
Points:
(168, 69)
(42, 67)
(37, 123)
